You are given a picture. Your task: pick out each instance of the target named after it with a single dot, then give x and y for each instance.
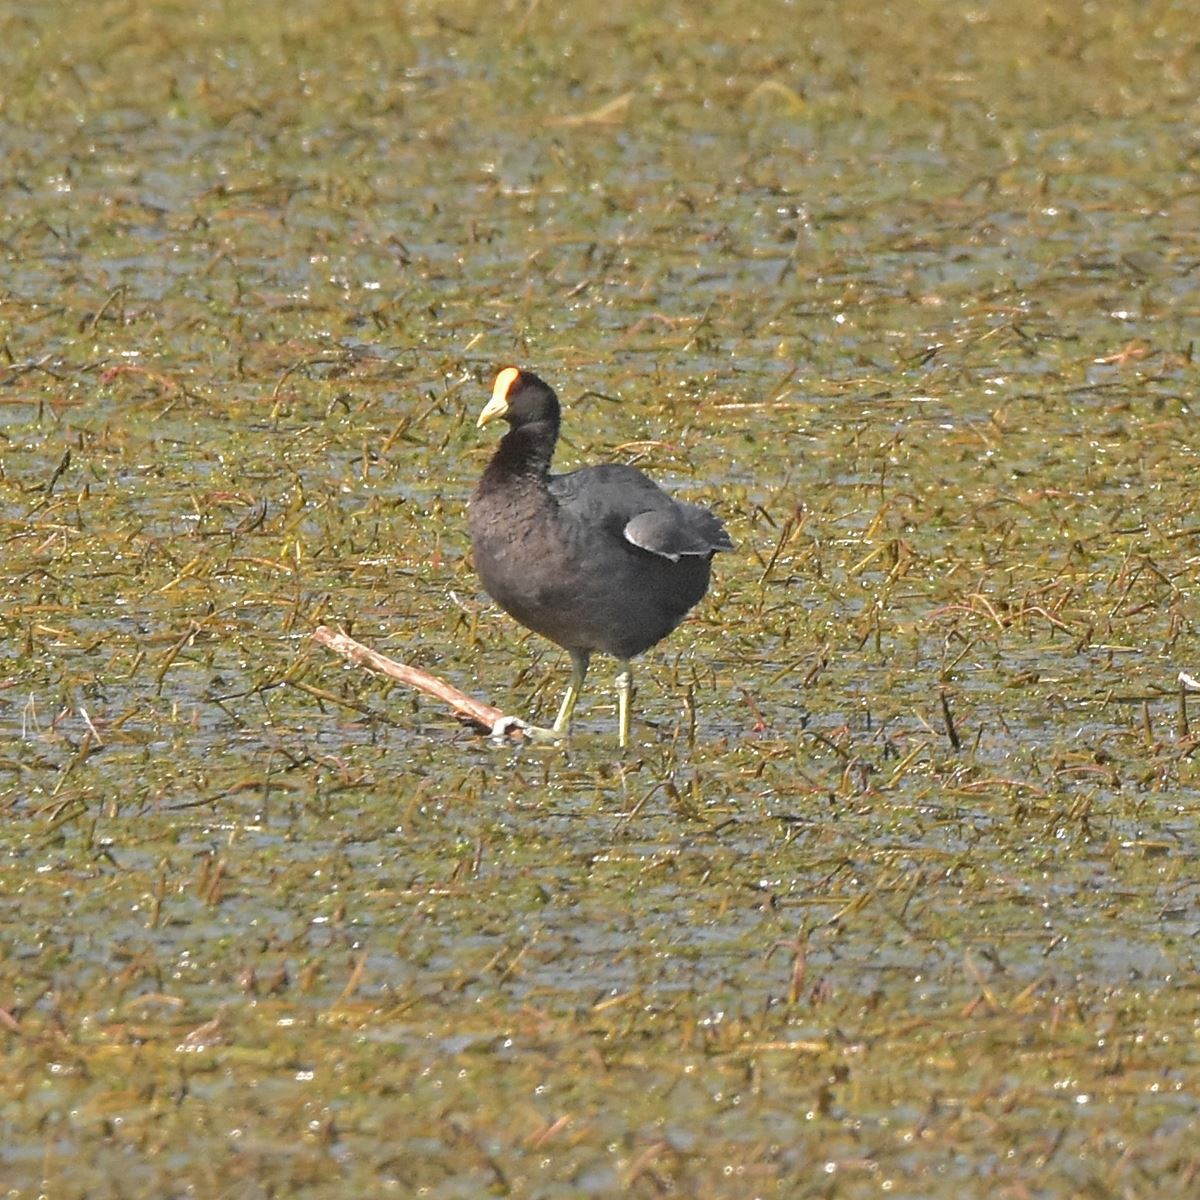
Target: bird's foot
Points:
(532, 733)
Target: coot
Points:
(600, 559)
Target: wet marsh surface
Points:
(895, 892)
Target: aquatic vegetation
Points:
(893, 891)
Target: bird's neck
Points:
(525, 453)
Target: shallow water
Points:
(894, 892)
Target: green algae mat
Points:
(895, 891)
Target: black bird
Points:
(598, 559)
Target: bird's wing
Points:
(686, 529)
(633, 507)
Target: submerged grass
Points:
(894, 893)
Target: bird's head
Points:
(519, 397)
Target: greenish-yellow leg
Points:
(624, 689)
(579, 666)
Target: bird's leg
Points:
(624, 690)
(579, 666)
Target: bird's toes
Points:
(532, 733)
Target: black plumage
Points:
(600, 559)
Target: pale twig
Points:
(466, 707)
